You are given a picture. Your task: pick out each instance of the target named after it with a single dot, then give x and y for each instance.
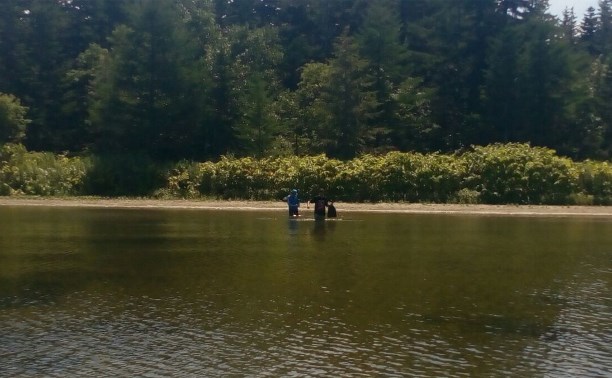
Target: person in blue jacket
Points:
(293, 201)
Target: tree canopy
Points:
(197, 79)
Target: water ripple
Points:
(139, 338)
(306, 314)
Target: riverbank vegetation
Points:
(495, 174)
(368, 100)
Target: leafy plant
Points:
(595, 180)
(40, 173)
(521, 174)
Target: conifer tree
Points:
(141, 100)
(501, 91)
(604, 106)
(307, 119)
(604, 28)
(379, 41)
(568, 25)
(349, 101)
(588, 29)
(43, 51)
(257, 127)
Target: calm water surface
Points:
(228, 293)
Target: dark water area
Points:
(143, 292)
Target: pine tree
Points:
(14, 64)
(501, 92)
(458, 40)
(44, 53)
(544, 80)
(257, 127)
(415, 130)
(237, 61)
(568, 25)
(349, 102)
(379, 41)
(603, 36)
(604, 106)
(305, 111)
(141, 98)
(588, 29)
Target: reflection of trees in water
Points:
(40, 249)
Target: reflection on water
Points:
(213, 293)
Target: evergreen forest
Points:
(166, 81)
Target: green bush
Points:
(439, 177)
(595, 180)
(520, 174)
(358, 180)
(40, 173)
(495, 174)
(183, 181)
(399, 172)
(466, 197)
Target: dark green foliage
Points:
(595, 179)
(348, 101)
(496, 174)
(142, 104)
(198, 79)
(517, 173)
(569, 26)
(13, 119)
(122, 175)
(588, 31)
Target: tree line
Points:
(199, 79)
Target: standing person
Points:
(293, 201)
(320, 202)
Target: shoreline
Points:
(240, 205)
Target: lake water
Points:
(143, 292)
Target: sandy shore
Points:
(505, 210)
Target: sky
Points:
(580, 6)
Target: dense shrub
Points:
(123, 175)
(510, 173)
(183, 180)
(399, 171)
(520, 174)
(595, 180)
(40, 173)
(439, 177)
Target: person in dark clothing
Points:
(331, 210)
(320, 203)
